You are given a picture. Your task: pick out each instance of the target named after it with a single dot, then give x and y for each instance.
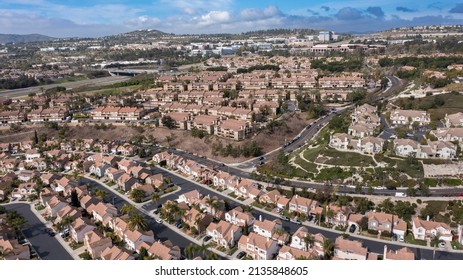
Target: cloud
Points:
(325, 8)
(405, 10)
(348, 13)
(214, 17)
(458, 9)
(257, 14)
(143, 22)
(312, 12)
(436, 6)
(376, 11)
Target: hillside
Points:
(16, 38)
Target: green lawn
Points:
(347, 158)
(410, 239)
(309, 166)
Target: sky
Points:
(94, 18)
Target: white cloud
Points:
(214, 17)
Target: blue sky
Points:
(91, 18)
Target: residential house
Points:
(102, 212)
(408, 117)
(53, 205)
(346, 249)
(454, 120)
(79, 228)
(289, 253)
(162, 250)
(224, 233)
(240, 218)
(234, 129)
(403, 254)
(301, 204)
(12, 250)
(383, 222)
(115, 253)
(191, 198)
(258, 247)
(448, 134)
(95, 243)
(267, 228)
(195, 219)
(425, 229)
(132, 238)
(126, 182)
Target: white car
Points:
(158, 220)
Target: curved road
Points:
(46, 246)
(376, 246)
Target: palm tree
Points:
(4, 252)
(64, 224)
(308, 240)
(328, 249)
(212, 256)
(137, 222)
(128, 209)
(155, 197)
(137, 195)
(190, 250)
(434, 241)
(101, 193)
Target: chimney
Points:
(427, 218)
(385, 252)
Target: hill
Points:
(16, 38)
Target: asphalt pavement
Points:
(46, 246)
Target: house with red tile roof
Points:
(96, 243)
(346, 249)
(258, 247)
(224, 233)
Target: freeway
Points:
(47, 247)
(15, 93)
(376, 246)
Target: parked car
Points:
(159, 220)
(284, 218)
(207, 238)
(352, 228)
(240, 255)
(295, 221)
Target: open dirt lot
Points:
(181, 139)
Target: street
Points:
(47, 247)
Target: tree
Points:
(363, 223)
(155, 197)
(64, 224)
(190, 250)
(328, 249)
(75, 199)
(168, 122)
(128, 209)
(36, 137)
(137, 195)
(4, 252)
(411, 191)
(101, 193)
(137, 222)
(143, 254)
(309, 241)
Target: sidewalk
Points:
(312, 225)
(49, 224)
(138, 206)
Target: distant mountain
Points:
(136, 36)
(15, 38)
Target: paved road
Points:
(161, 231)
(93, 82)
(373, 246)
(47, 247)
